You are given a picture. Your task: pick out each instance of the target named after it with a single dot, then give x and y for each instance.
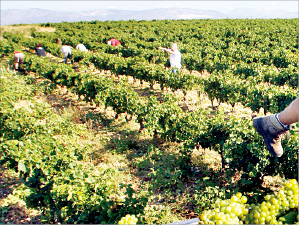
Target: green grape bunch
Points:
(128, 219)
(278, 208)
(229, 211)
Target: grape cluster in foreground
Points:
(128, 219)
(279, 208)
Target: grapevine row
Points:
(165, 119)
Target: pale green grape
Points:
(235, 210)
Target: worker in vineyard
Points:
(18, 59)
(40, 51)
(67, 52)
(114, 42)
(175, 57)
(273, 126)
(81, 47)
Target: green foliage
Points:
(44, 149)
(206, 196)
(7, 47)
(122, 99)
(252, 62)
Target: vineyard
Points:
(116, 137)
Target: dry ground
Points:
(26, 29)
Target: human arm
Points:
(291, 113)
(166, 50)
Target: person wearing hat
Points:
(114, 42)
(67, 52)
(175, 57)
(39, 50)
(81, 47)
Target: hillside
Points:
(32, 16)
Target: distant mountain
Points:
(31, 16)
(261, 14)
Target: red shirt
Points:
(114, 42)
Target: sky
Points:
(77, 5)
